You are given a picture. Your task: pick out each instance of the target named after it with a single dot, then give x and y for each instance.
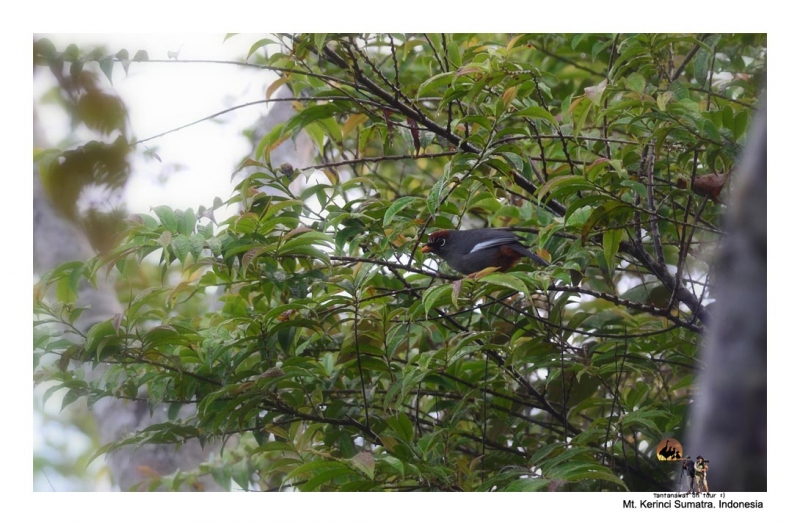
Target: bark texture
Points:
(729, 415)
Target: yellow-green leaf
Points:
(611, 240)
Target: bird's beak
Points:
(425, 249)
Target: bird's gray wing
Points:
(496, 239)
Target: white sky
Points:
(161, 97)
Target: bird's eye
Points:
(441, 242)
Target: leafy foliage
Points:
(341, 359)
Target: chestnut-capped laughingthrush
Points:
(470, 251)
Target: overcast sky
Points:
(162, 97)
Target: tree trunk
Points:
(729, 415)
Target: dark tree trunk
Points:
(729, 415)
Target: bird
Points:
(472, 251)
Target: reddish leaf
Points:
(414, 134)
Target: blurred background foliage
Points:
(311, 328)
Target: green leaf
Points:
(638, 187)
(434, 295)
(434, 83)
(311, 114)
(196, 245)
(527, 485)
(636, 82)
(325, 476)
(644, 418)
(215, 245)
(702, 63)
(580, 111)
(122, 56)
(577, 39)
(536, 113)
(99, 336)
(107, 67)
(185, 221)
(70, 397)
(611, 241)
(264, 42)
(241, 473)
(579, 216)
(167, 217)
(307, 238)
(741, 123)
(181, 245)
(628, 55)
(68, 280)
(662, 99)
(394, 463)
(679, 90)
(304, 245)
(402, 426)
(453, 53)
(604, 212)
(164, 335)
(599, 46)
(710, 130)
(319, 41)
(435, 194)
(507, 281)
(572, 182)
(396, 207)
(275, 207)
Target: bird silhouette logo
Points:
(669, 449)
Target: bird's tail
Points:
(527, 253)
